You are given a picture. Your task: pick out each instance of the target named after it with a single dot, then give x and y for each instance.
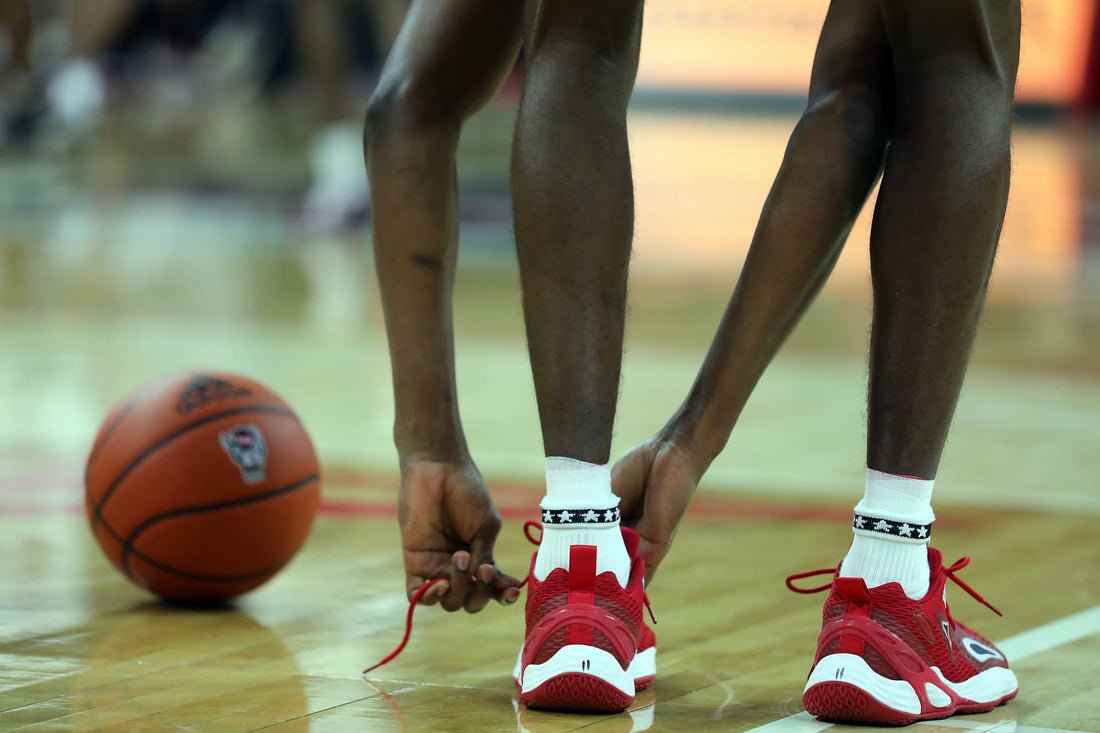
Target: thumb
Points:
(653, 547)
(494, 582)
(628, 482)
(483, 542)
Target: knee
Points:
(407, 101)
(855, 114)
(969, 91)
(587, 36)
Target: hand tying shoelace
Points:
(528, 526)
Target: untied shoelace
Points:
(415, 600)
(949, 571)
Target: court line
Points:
(515, 500)
(1054, 634)
(805, 723)
(1018, 647)
(1007, 726)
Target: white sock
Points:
(579, 509)
(892, 526)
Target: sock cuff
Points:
(866, 525)
(900, 493)
(584, 517)
(575, 485)
(900, 499)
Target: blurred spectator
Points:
(324, 54)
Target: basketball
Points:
(201, 486)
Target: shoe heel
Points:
(578, 692)
(578, 678)
(840, 702)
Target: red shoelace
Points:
(949, 570)
(415, 600)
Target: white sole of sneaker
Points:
(981, 692)
(642, 667)
(579, 659)
(992, 685)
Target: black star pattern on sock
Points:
(580, 516)
(904, 530)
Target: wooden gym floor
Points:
(103, 286)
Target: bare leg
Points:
(933, 238)
(447, 61)
(938, 217)
(574, 211)
(446, 64)
(832, 161)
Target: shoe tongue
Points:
(632, 540)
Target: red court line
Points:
(516, 499)
(703, 509)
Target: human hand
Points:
(449, 525)
(655, 482)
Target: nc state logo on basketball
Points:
(246, 448)
(201, 486)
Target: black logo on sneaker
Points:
(203, 390)
(246, 448)
(980, 650)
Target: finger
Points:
(495, 585)
(653, 551)
(413, 583)
(481, 544)
(481, 552)
(455, 598)
(628, 478)
(481, 592)
(498, 579)
(652, 561)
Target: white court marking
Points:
(1021, 646)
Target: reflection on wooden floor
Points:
(83, 651)
(96, 298)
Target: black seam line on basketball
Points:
(130, 405)
(128, 543)
(168, 439)
(109, 432)
(269, 570)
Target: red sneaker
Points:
(885, 659)
(643, 667)
(583, 634)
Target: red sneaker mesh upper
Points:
(552, 594)
(925, 626)
(622, 610)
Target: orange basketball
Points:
(201, 486)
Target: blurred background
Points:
(182, 186)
